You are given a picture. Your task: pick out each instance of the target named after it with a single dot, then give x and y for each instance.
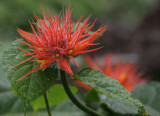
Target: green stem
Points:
(24, 105)
(47, 104)
(74, 99)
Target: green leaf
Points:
(116, 107)
(149, 95)
(114, 91)
(92, 96)
(35, 84)
(56, 94)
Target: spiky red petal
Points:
(52, 39)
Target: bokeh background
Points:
(133, 26)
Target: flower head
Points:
(53, 40)
(125, 73)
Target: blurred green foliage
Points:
(149, 95)
(57, 93)
(15, 13)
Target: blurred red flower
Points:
(125, 73)
(57, 41)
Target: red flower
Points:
(80, 84)
(54, 41)
(125, 73)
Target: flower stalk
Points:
(74, 99)
(47, 104)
